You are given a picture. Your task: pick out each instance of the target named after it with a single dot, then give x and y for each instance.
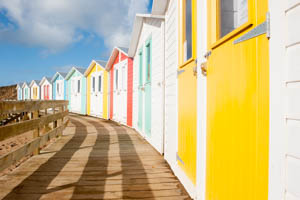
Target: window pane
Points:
(148, 67)
(99, 83)
(78, 86)
(140, 69)
(188, 30)
(234, 13)
(57, 88)
(117, 79)
(94, 84)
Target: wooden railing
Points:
(35, 116)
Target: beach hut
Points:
(97, 89)
(46, 88)
(19, 91)
(26, 91)
(34, 90)
(120, 68)
(59, 85)
(76, 86)
(146, 47)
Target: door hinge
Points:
(263, 28)
(179, 159)
(207, 54)
(180, 72)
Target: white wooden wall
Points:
(171, 65)
(151, 28)
(284, 167)
(292, 99)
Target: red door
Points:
(45, 96)
(47, 92)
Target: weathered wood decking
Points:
(94, 159)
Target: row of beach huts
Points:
(212, 85)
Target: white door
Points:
(78, 94)
(73, 94)
(115, 95)
(99, 95)
(93, 95)
(123, 94)
(59, 90)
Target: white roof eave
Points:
(137, 28)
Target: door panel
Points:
(237, 109)
(140, 92)
(187, 120)
(148, 78)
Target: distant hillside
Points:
(8, 92)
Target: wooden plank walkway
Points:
(94, 159)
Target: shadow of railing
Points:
(39, 181)
(92, 180)
(135, 181)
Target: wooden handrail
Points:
(8, 107)
(29, 148)
(12, 130)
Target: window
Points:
(187, 44)
(47, 97)
(78, 86)
(94, 84)
(35, 92)
(117, 79)
(141, 69)
(234, 13)
(148, 62)
(99, 83)
(57, 88)
(124, 74)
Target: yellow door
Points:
(237, 100)
(187, 89)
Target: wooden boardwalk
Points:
(94, 159)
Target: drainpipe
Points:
(164, 86)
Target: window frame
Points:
(214, 38)
(148, 60)
(182, 25)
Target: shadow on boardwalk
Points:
(97, 160)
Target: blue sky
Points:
(38, 38)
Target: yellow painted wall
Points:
(88, 91)
(105, 90)
(187, 98)
(105, 94)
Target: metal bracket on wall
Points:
(178, 158)
(180, 72)
(258, 30)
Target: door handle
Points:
(204, 68)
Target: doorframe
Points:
(201, 101)
(140, 92)
(148, 42)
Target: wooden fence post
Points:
(36, 132)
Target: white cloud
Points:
(55, 24)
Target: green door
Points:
(26, 93)
(148, 88)
(140, 119)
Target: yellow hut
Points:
(97, 89)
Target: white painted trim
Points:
(201, 100)
(277, 132)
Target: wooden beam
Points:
(29, 148)
(8, 107)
